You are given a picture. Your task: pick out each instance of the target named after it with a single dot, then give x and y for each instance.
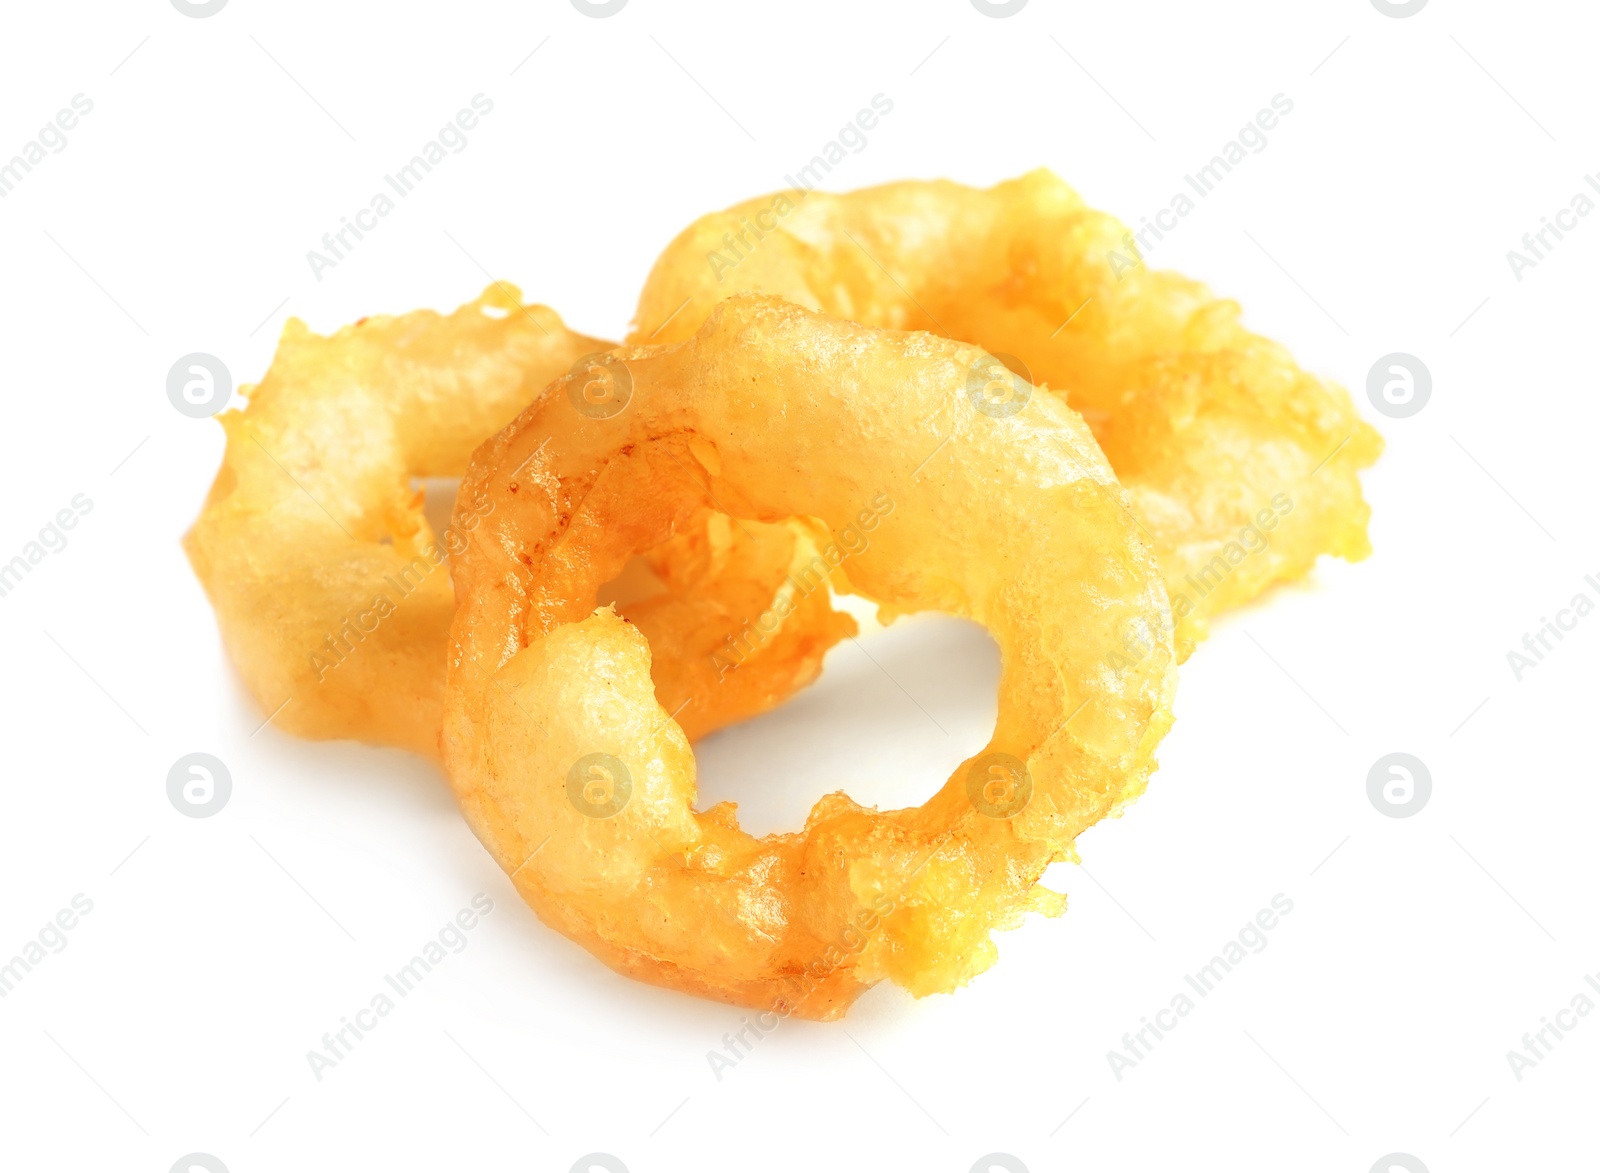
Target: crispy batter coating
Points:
(582, 784)
(1240, 467)
(330, 586)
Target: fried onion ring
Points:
(580, 782)
(325, 574)
(1240, 467)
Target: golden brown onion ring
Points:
(1240, 467)
(330, 586)
(582, 785)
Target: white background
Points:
(178, 1017)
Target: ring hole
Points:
(893, 714)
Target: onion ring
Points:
(324, 572)
(1214, 431)
(580, 783)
